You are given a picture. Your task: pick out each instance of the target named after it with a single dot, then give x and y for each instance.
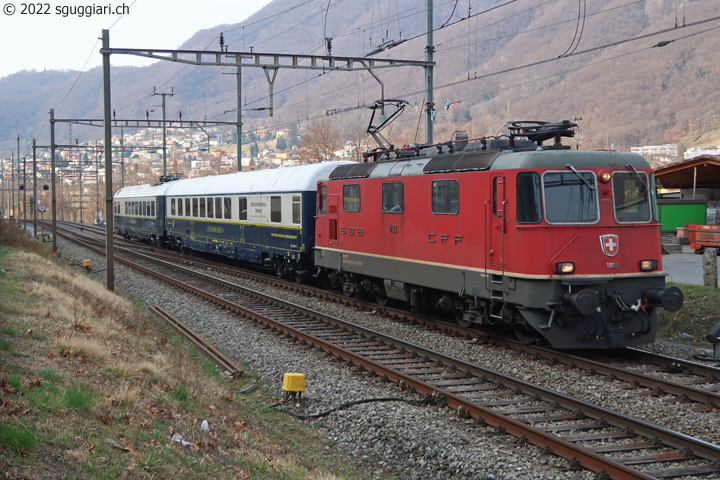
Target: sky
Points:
(62, 34)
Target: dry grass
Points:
(102, 388)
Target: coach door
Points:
(333, 219)
(496, 221)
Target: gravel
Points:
(395, 438)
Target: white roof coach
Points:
(282, 179)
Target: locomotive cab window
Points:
(393, 197)
(631, 197)
(445, 197)
(570, 197)
(528, 209)
(351, 198)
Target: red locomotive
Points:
(551, 242)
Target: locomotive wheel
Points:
(381, 299)
(460, 318)
(525, 334)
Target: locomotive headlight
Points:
(565, 267)
(605, 177)
(648, 265)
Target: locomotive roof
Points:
(473, 160)
(282, 179)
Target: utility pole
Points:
(107, 108)
(34, 209)
(239, 119)
(24, 198)
(122, 160)
(52, 180)
(172, 92)
(2, 177)
(429, 49)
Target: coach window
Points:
(351, 198)
(227, 207)
(445, 197)
(202, 207)
(172, 207)
(179, 207)
(188, 212)
(243, 208)
(393, 197)
(196, 207)
(323, 200)
(570, 197)
(275, 209)
(528, 198)
(218, 207)
(296, 209)
(210, 213)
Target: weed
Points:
(50, 374)
(180, 392)
(15, 382)
(5, 345)
(10, 331)
(17, 439)
(78, 398)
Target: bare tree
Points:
(320, 142)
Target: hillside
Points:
(628, 94)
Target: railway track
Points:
(638, 369)
(595, 437)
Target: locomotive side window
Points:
(392, 197)
(498, 197)
(296, 209)
(445, 197)
(323, 200)
(218, 207)
(275, 211)
(569, 198)
(528, 198)
(631, 197)
(243, 208)
(351, 198)
(227, 207)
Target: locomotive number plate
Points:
(612, 265)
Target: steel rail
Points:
(558, 446)
(206, 348)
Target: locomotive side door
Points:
(333, 220)
(496, 223)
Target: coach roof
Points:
(282, 179)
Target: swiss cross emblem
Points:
(609, 244)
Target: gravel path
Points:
(395, 438)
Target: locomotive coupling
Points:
(587, 301)
(671, 298)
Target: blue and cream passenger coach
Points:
(265, 216)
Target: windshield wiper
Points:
(639, 177)
(590, 185)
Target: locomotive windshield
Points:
(570, 197)
(631, 197)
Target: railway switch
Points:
(294, 385)
(713, 337)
